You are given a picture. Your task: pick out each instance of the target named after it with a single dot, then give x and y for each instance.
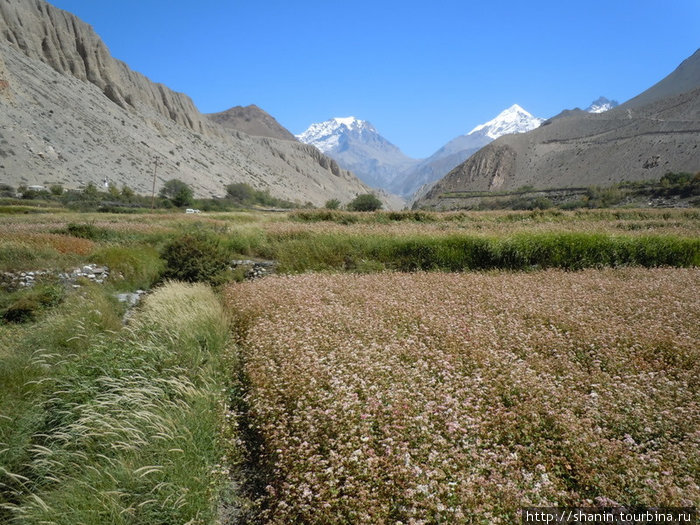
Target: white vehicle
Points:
(192, 210)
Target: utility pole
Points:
(153, 193)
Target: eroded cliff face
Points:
(5, 93)
(72, 115)
(487, 170)
(71, 47)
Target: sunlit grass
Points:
(104, 424)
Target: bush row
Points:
(532, 215)
(200, 254)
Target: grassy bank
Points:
(111, 424)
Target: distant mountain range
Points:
(655, 132)
(512, 120)
(357, 146)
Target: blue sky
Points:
(421, 72)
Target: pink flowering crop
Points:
(426, 398)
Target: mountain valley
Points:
(73, 115)
(357, 146)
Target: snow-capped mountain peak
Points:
(326, 135)
(348, 122)
(512, 120)
(602, 105)
(358, 147)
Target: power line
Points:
(153, 192)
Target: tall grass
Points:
(114, 425)
(554, 215)
(19, 255)
(131, 267)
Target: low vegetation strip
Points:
(363, 242)
(457, 252)
(475, 217)
(104, 424)
(454, 398)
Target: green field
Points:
(403, 367)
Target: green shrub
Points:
(179, 193)
(49, 295)
(243, 194)
(6, 190)
(240, 193)
(26, 304)
(684, 184)
(336, 216)
(332, 204)
(88, 231)
(365, 202)
(196, 257)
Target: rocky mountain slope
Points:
(512, 120)
(684, 78)
(71, 114)
(643, 139)
(253, 121)
(357, 146)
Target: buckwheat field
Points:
(457, 397)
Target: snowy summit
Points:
(358, 147)
(602, 105)
(512, 120)
(326, 135)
